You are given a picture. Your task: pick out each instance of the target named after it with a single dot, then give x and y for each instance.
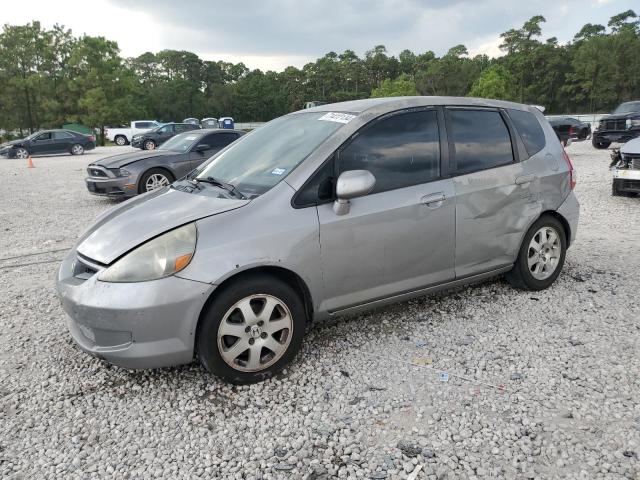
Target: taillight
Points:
(92, 138)
(572, 172)
(570, 131)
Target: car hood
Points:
(118, 161)
(621, 116)
(137, 220)
(631, 147)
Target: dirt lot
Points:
(567, 358)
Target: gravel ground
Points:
(550, 390)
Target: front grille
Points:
(613, 124)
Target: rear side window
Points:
(529, 130)
(62, 135)
(218, 140)
(400, 151)
(144, 124)
(480, 139)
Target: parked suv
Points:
(621, 126)
(151, 139)
(330, 210)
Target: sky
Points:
(273, 34)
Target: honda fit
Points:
(330, 210)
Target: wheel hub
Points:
(544, 253)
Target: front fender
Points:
(263, 234)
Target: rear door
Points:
(400, 237)
(62, 141)
(494, 199)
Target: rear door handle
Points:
(433, 200)
(524, 179)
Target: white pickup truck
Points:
(123, 136)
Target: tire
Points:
(215, 349)
(77, 149)
(153, 176)
(521, 276)
(120, 140)
(21, 153)
(600, 144)
(149, 145)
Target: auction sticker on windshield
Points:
(337, 117)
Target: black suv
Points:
(621, 126)
(153, 138)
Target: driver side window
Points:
(400, 151)
(43, 136)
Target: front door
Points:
(43, 143)
(494, 198)
(401, 236)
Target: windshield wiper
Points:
(219, 183)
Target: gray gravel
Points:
(565, 362)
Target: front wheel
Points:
(252, 329)
(21, 153)
(149, 145)
(541, 255)
(77, 149)
(600, 144)
(154, 179)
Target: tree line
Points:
(49, 77)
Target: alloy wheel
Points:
(22, 153)
(157, 180)
(544, 253)
(149, 145)
(77, 150)
(255, 333)
(120, 141)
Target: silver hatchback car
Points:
(322, 212)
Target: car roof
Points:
(396, 103)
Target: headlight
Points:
(632, 122)
(121, 172)
(163, 256)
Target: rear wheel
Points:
(120, 140)
(252, 329)
(541, 255)
(77, 149)
(600, 144)
(149, 145)
(154, 179)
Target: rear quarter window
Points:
(529, 130)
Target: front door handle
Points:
(524, 179)
(433, 200)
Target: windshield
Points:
(261, 159)
(627, 107)
(180, 143)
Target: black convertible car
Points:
(129, 174)
(47, 142)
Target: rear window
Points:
(529, 129)
(480, 139)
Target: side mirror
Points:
(201, 147)
(352, 184)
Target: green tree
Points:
(400, 87)
(495, 82)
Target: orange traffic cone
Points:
(30, 163)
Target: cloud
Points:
(271, 34)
